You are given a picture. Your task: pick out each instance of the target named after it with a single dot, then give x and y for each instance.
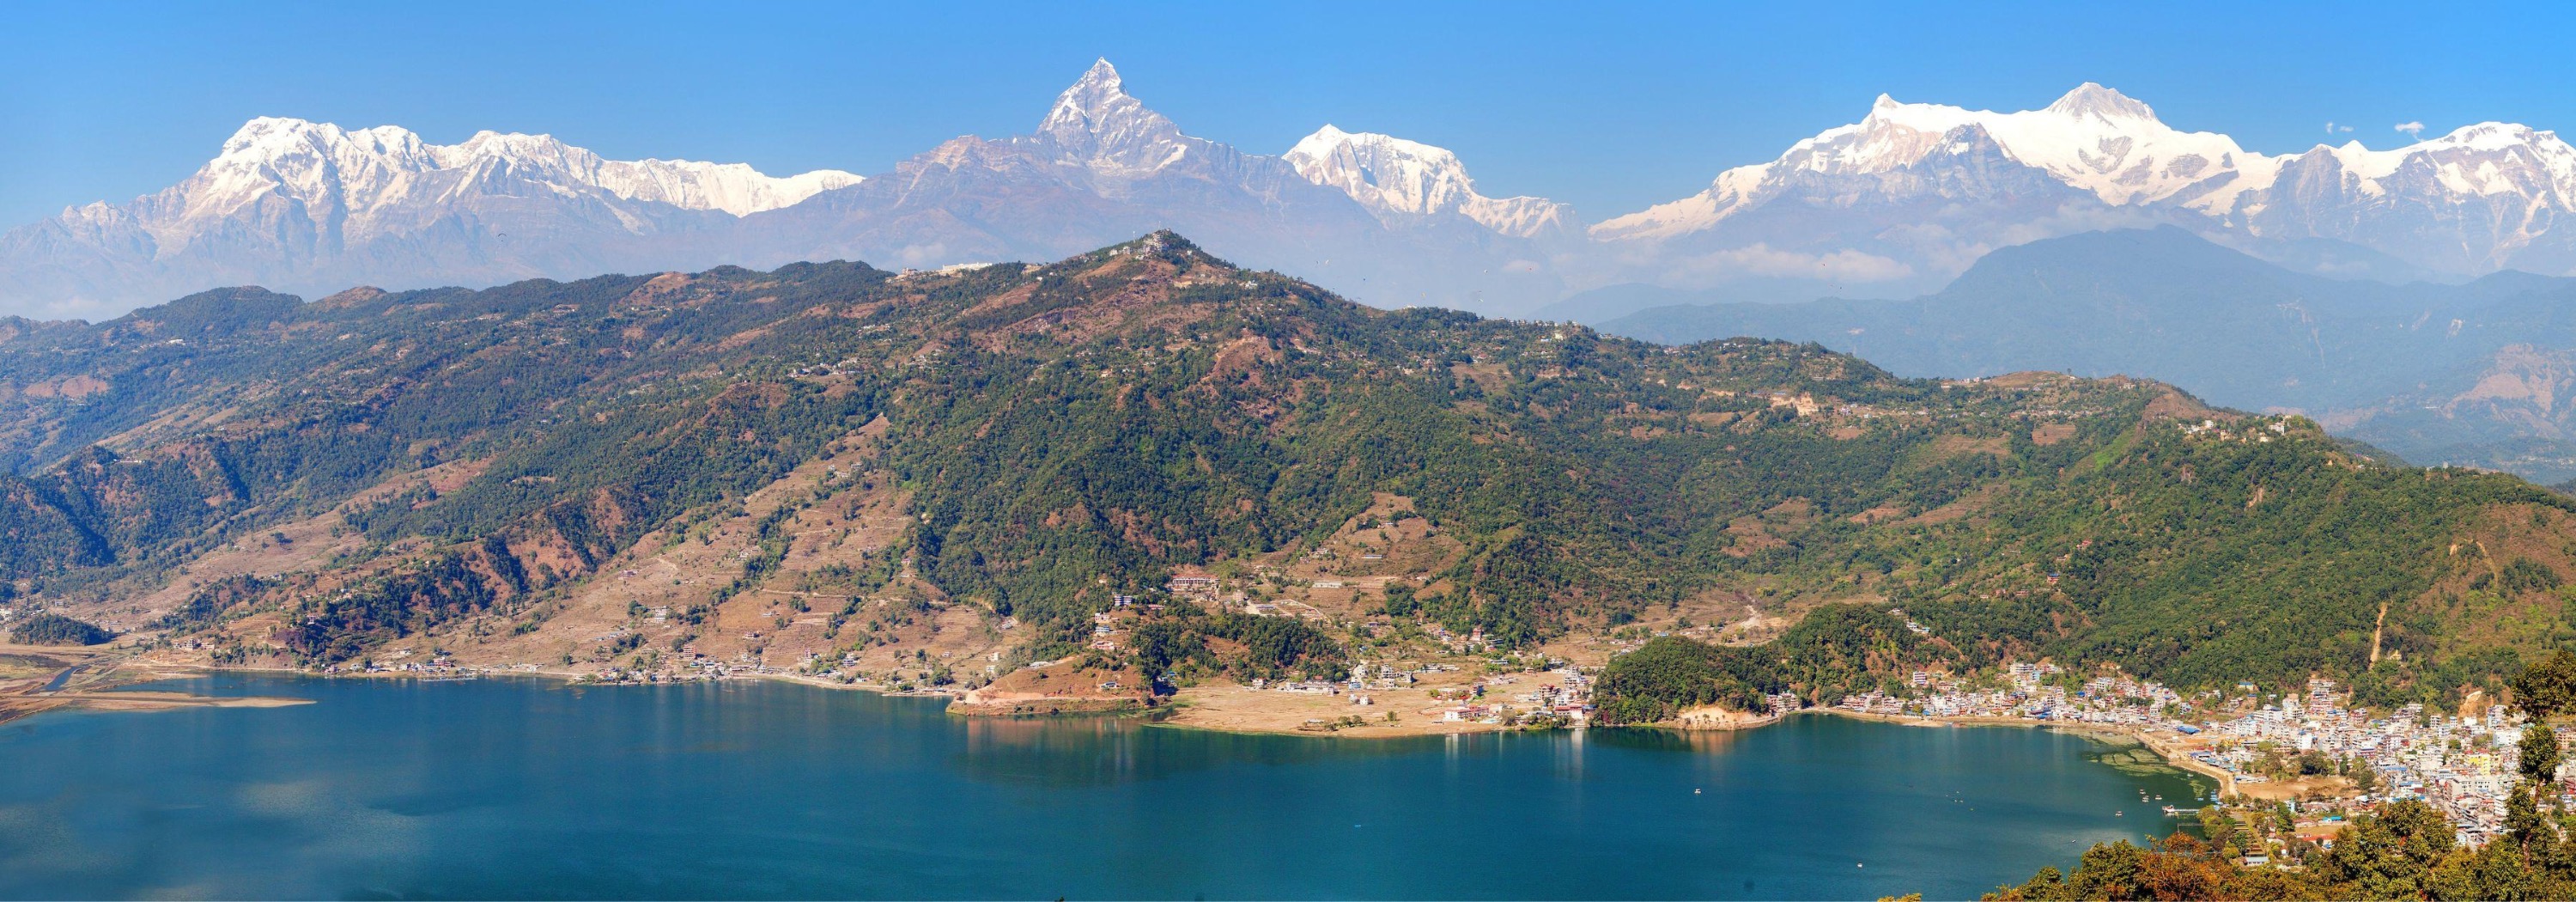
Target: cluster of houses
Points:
(1473, 642)
(1566, 701)
(2105, 700)
(2464, 766)
(2210, 427)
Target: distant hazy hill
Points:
(2472, 374)
(624, 467)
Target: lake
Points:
(532, 788)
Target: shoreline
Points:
(103, 695)
(1170, 713)
(2174, 757)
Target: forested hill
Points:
(1021, 443)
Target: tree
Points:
(2548, 688)
(2539, 753)
(2404, 852)
(2392, 855)
(2523, 821)
(2215, 825)
(56, 629)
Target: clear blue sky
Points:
(1611, 110)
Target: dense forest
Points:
(56, 629)
(1063, 433)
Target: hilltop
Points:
(934, 478)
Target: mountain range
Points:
(1891, 206)
(946, 475)
(2479, 373)
(1913, 193)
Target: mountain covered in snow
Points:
(1101, 165)
(1913, 193)
(315, 207)
(1894, 205)
(1394, 177)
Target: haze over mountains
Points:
(1891, 206)
(2479, 373)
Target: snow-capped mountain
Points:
(1908, 196)
(314, 207)
(364, 171)
(2482, 198)
(1101, 164)
(1893, 205)
(1395, 177)
(2093, 139)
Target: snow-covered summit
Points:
(2484, 159)
(2093, 138)
(322, 163)
(1893, 203)
(1097, 123)
(1392, 175)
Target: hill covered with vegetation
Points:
(849, 455)
(56, 629)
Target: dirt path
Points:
(2378, 628)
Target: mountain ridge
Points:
(1892, 205)
(935, 472)
(2435, 373)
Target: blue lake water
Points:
(536, 789)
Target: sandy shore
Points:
(1242, 709)
(26, 704)
(92, 689)
(162, 701)
(1713, 717)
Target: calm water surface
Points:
(526, 788)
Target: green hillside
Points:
(1034, 440)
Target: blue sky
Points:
(1608, 109)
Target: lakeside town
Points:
(2312, 750)
(2309, 747)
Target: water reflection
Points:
(1659, 740)
(1107, 750)
(387, 789)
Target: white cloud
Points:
(1760, 259)
(2412, 129)
(2330, 127)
